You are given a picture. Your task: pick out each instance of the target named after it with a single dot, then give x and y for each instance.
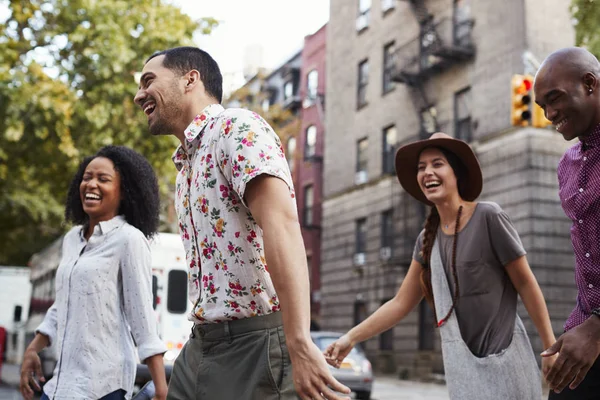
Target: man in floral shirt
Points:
(236, 208)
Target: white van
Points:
(169, 284)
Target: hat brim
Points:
(407, 159)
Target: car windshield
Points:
(324, 341)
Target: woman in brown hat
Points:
(470, 265)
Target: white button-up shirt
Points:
(228, 273)
(103, 297)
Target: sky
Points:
(270, 31)
(277, 27)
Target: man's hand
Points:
(31, 369)
(312, 377)
(577, 351)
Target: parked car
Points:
(355, 372)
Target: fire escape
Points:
(440, 45)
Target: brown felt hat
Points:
(407, 159)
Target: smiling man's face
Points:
(160, 97)
(566, 99)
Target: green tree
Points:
(66, 89)
(586, 14)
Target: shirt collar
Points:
(194, 131)
(104, 227)
(592, 139)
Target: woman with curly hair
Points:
(103, 285)
(470, 265)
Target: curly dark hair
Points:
(140, 201)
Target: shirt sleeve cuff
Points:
(46, 329)
(151, 348)
(267, 170)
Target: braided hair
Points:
(431, 226)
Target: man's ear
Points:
(591, 82)
(192, 79)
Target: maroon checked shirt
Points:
(579, 191)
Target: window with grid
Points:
(363, 81)
(310, 142)
(361, 236)
(387, 229)
(362, 147)
(312, 82)
(390, 141)
(462, 114)
(386, 339)
(309, 199)
(288, 90)
(388, 67)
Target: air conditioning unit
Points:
(387, 5)
(361, 177)
(385, 253)
(359, 259)
(362, 22)
(307, 102)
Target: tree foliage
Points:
(66, 89)
(586, 14)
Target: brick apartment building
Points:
(401, 70)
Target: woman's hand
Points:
(31, 372)
(547, 363)
(337, 351)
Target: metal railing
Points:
(438, 45)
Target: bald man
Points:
(567, 88)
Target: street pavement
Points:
(385, 388)
(392, 388)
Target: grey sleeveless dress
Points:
(512, 374)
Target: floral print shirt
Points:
(228, 276)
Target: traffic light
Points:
(521, 97)
(538, 119)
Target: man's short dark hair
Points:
(184, 59)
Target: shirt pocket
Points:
(473, 278)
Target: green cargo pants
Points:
(236, 360)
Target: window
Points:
(387, 229)
(309, 199)
(390, 140)
(363, 80)
(462, 114)
(311, 141)
(364, 7)
(177, 291)
(360, 311)
(386, 339)
(265, 105)
(290, 151)
(388, 67)
(362, 155)
(462, 22)
(428, 121)
(362, 21)
(312, 83)
(361, 236)
(288, 90)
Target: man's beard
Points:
(165, 122)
